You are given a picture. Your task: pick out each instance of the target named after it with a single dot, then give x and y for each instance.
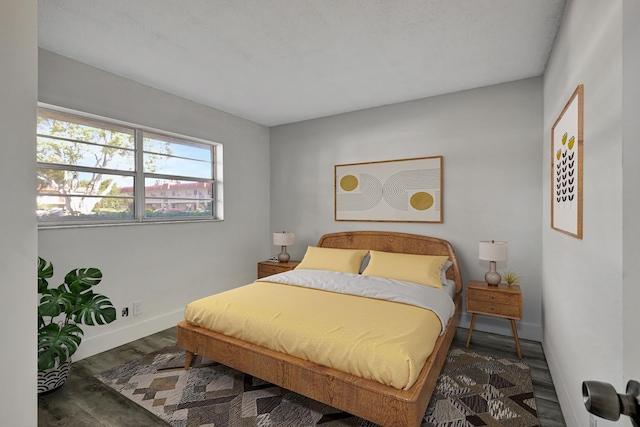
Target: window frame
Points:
(138, 174)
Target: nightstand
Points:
(500, 301)
(267, 268)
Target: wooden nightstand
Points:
(499, 301)
(267, 268)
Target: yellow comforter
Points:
(388, 342)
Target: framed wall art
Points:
(566, 167)
(407, 190)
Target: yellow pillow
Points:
(344, 260)
(422, 269)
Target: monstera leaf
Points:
(56, 343)
(56, 301)
(45, 271)
(81, 279)
(92, 309)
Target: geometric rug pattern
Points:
(476, 389)
(473, 389)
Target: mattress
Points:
(377, 339)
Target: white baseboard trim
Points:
(107, 341)
(527, 331)
(558, 382)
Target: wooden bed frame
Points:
(365, 398)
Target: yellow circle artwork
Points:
(348, 183)
(421, 201)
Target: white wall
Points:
(163, 265)
(18, 238)
(490, 140)
(582, 279)
(631, 177)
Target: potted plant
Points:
(60, 312)
(511, 277)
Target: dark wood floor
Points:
(84, 402)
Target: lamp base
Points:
(283, 256)
(492, 277)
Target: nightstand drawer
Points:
(494, 308)
(492, 296)
(269, 268)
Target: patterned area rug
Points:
(474, 389)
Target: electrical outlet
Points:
(125, 312)
(593, 422)
(137, 308)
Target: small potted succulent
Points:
(511, 277)
(60, 312)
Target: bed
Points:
(366, 398)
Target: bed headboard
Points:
(388, 241)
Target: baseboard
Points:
(107, 341)
(558, 382)
(527, 331)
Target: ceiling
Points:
(283, 61)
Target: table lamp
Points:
(493, 251)
(283, 239)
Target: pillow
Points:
(364, 262)
(344, 260)
(422, 269)
(443, 272)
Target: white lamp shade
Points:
(493, 250)
(285, 238)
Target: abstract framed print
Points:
(566, 167)
(406, 190)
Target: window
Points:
(95, 171)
